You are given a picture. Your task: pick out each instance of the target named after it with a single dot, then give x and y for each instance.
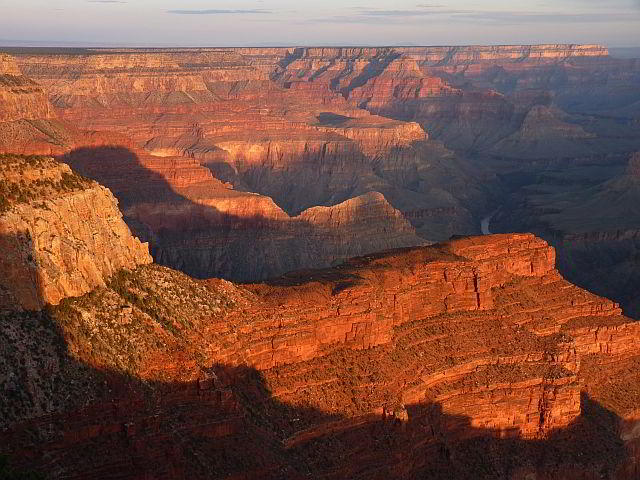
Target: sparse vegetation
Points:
(34, 178)
(118, 325)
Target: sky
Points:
(184, 23)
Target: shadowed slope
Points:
(152, 376)
(206, 228)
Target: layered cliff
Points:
(61, 234)
(208, 129)
(27, 119)
(300, 142)
(474, 98)
(473, 355)
(263, 241)
(196, 223)
(593, 224)
(265, 119)
(20, 96)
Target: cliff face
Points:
(204, 227)
(251, 243)
(20, 97)
(27, 119)
(471, 98)
(201, 131)
(593, 224)
(230, 113)
(474, 355)
(61, 235)
(254, 137)
(466, 359)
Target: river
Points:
(486, 221)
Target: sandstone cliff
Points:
(198, 224)
(295, 124)
(308, 127)
(60, 235)
(300, 142)
(27, 119)
(20, 97)
(473, 355)
(265, 242)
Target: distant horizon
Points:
(7, 44)
(269, 23)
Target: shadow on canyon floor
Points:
(609, 267)
(199, 239)
(602, 257)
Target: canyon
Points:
(464, 357)
(406, 363)
(237, 143)
(261, 263)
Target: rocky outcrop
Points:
(349, 312)
(28, 122)
(393, 364)
(62, 236)
(244, 237)
(20, 97)
(545, 133)
(204, 227)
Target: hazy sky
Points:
(328, 22)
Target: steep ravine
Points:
(591, 217)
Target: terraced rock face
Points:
(594, 224)
(61, 234)
(235, 145)
(171, 133)
(27, 119)
(473, 357)
(20, 96)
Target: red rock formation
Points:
(179, 112)
(286, 123)
(310, 126)
(437, 362)
(20, 97)
(27, 119)
(61, 243)
(432, 349)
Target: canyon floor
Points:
(261, 262)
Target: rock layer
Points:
(27, 120)
(302, 127)
(62, 242)
(414, 362)
(309, 127)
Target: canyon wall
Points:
(20, 96)
(60, 235)
(464, 359)
(592, 221)
(413, 362)
(27, 119)
(445, 134)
